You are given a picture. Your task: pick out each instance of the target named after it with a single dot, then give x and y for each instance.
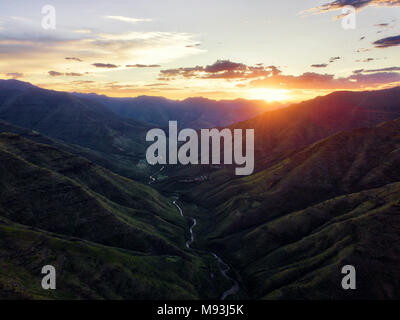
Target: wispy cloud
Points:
(82, 31)
(20, 19)
(14, 75)
(37, 51)
(387, 42)
(358, 4)
(68, 74)
(143, 66)
(388, 69)
(382, 25)
(73, 59)
(333, 59)
(104, 65)
(319, 65)
(127, 19)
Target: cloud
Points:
(358, 4)
(156, 84)
(333, 59)
(73, 74)
(271, 77)
(193, 45)
(73, 59)
(221, 69)
(143, 66)
(14, 75)
(225, 65)
(324, 65)
(20, 19)
(389, 69)
(261, 76)
(311, 80)
(104, 65)
(363, 50)
(127, 19)
(83, 82)
(374, 79)
(55, 73)
(69, 74)
(387, 42)
(82, 31)
(35, 51)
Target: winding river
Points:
(222, 266)
(152, 177)
(224, 269)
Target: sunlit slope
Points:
(278, 133)
(332, 202)
(343, 163)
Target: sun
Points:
(268, 94)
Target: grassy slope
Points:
(78, 121)
(344, 163)
(63, 193)
(114, 162)
(300, 255)
(59, 208)
(289, 228)
(87, 270)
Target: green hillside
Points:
(120, 164)
(288, 229)
(86, 270)
(325, 194)
(77, 121)
(59, 208)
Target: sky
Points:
(283, 50)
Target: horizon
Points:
(280, 104)
(298, 50)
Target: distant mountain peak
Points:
(12, 84)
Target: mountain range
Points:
(75, 194)
(195, 113)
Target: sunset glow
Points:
(140, 48)
(269, 94)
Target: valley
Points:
(77, 193)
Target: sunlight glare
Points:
(269, 94)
